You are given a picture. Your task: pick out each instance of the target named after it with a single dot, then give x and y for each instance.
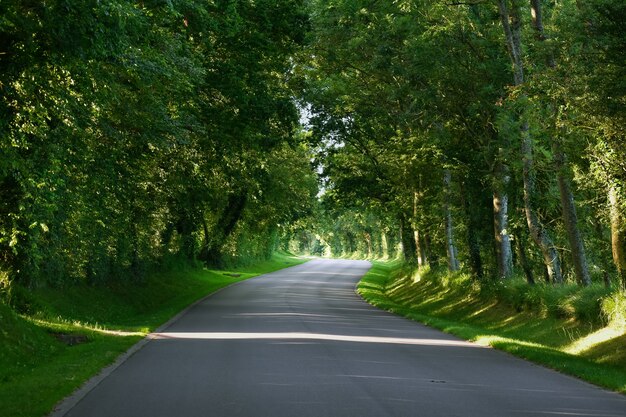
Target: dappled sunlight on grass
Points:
(487, 308)
(77, 326)
(454, 304)
(589, 341)
(491, 340)
(420, 273)
(609, 351)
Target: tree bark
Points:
(528, 271)
(453, 261)
(504, 253)
(618, 235)
(419, 247)
(385, 244)
(512, 24)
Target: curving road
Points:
(299, 342)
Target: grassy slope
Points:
(594, 353)
(36, 370)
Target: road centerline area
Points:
(300, 342)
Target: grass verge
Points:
(588, 350)
(70, 334)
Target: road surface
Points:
(299, 342)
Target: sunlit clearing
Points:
(311, 336)
(487, 307)
(595, 338)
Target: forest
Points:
(485, 136)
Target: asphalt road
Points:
(299, 342)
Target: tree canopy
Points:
(136, 131)
(484, 135)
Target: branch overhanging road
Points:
(299, 342)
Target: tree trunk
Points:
(453, 262)
(431, 258)
(419, 247)
(504, 254)
(528, 271)
(185, 229)
(537, 230)
(368, 242)
(618, 235)
(406, 236)
(568, 208)
(231, 215)
(512, 23)
(473, 241)
(206, 240)
(385, 244)
(570, 219)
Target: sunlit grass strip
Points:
(62, 325)
(589, 341)
(436, 302)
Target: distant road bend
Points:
(299, 342)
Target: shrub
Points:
(587, 303)
(614, 309)
(568, 301)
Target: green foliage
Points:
(567, 301)
(128, 128)
(410, 90)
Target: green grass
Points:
(587, 349)
(37, 370)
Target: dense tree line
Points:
(489, 133)
(131, 131)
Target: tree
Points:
(511, 19)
